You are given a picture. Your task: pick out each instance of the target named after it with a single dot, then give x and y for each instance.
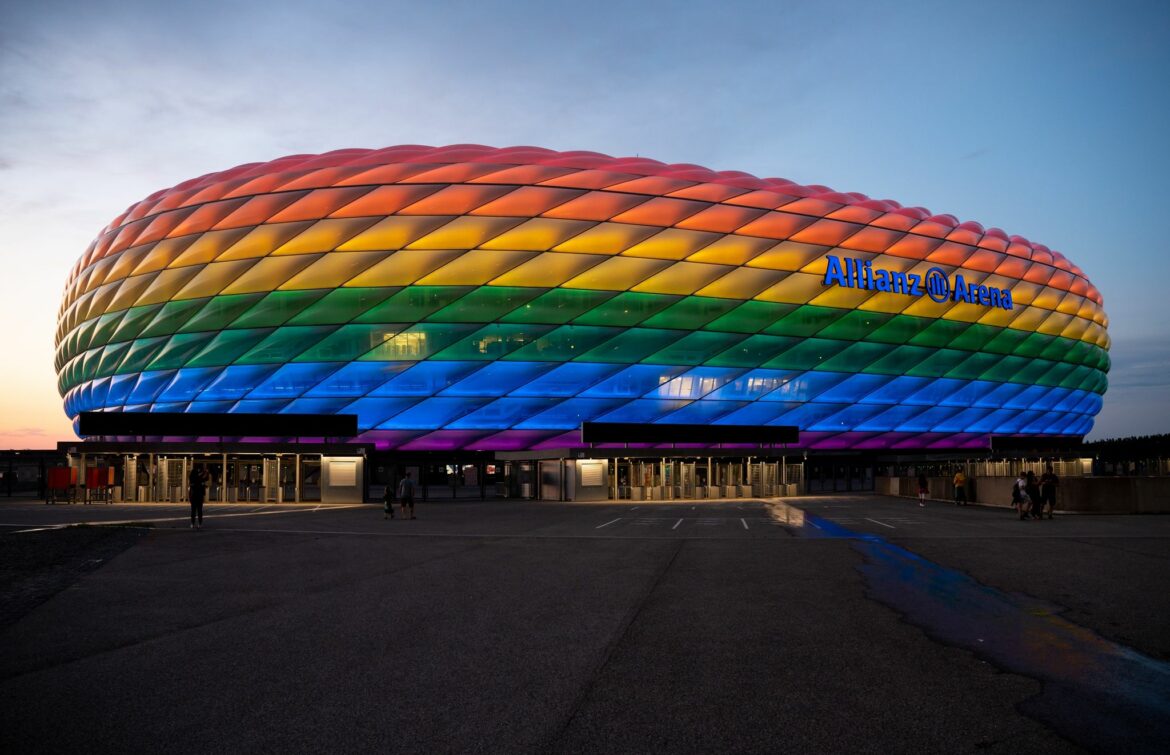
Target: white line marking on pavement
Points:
(815, 525)
(635, 508)
(881, 523)
(186, 517)
(744, 521)
(607, 523)
(676, 524)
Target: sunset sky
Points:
(1045, 119)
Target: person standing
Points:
(1020, 495)
(1048, 484)
(960, 488)
(1033, 489)
(388, 502)
(406, 495)
(923, 489)
(196, 489)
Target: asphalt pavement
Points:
(820, 624)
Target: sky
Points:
(1046, 119)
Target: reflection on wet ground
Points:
(1097, 693)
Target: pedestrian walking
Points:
(388, 502)
(196, 489)
(1032, 487)
(406, 495)
(923, 489)
(1048, 484)
(960, 488)
(1020, 496)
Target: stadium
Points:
(473, 299)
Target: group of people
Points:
(1030, 496)
(405, 498)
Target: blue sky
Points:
(1046, 119)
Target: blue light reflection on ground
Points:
(1097, 693)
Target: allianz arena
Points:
(467, 297)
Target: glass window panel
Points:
(750, 316)
(111, 356)
(433, 413)
(626, 309)
(341, 305)
(120, 387)
(357, 379)
(187, 383)
(642, 410)
(149, 385)
(567, 379)
(1006, 341)
(695, 383)
(418, 342)
(752, 351)
(502, 413)
(292, 380)
(348, 342)
(806, 386)
(498, 378)
(855, 389)
(805, 321)
(284, 344)
(414, 303)
(695, 348)
(568, 415)
(135, 320)
(235, 381)
(486, 304)
(632, 345)
(846, 419)
(316, 406)
(426, 378)
(494, 341)
(751, 385)
(564, 343)
(691, 313)
(219, 311)
(558, 305)
(855, 326)
(756, 413)
(806, 354)
(634, 381)
(857, 356)
(372, 411)
(227, 345)
(701, 412)
(140, 353)
(179, 350)
(276, 308)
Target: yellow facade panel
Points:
(128, 292)
(270, 273)
(404, 267)
(547, 269)
(394, 232)
(790, 256)
(617, 273)
(1054, 324)
(212, 278)
(797, 288)
(682, 278)
(476, 267)
(165, 285)
(671, 244)
(742, 283)
(324, 235)
(333, 270)
(538, 234)
(262, 240)
(732, 250)
(840, 297)
(607, 238)
(466, 232)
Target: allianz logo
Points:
(854, 273)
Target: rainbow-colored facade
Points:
(467, 297)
